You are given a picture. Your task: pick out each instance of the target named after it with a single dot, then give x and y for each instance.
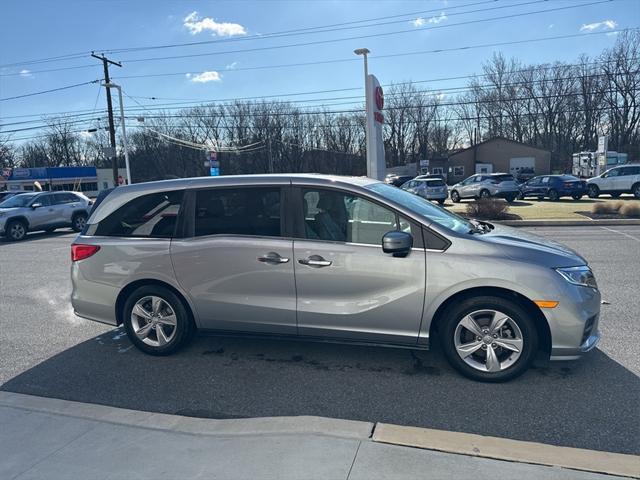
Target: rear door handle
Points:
(272, 258)
(315, 261)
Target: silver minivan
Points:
(329, 258)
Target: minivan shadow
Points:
(591, 404)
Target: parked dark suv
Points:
(553, 187)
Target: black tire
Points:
(576, 197)
(78, 221)
(16, 230)
(593, 191)
(485, 194)
(184, 323)
(523, 319)
(441, 202)
(636, 190)
(615, 194)
(553, 195)
(510, 198)
(455, 196)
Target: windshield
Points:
(17, 201)
(422, 207)
(434, 183)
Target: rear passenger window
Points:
(238, 211)
(64, 198)
(153, 215)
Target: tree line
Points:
(561, 107)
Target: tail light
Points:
(80, 251)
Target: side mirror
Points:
(36, 205)
(397, 243)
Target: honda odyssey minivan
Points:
(329, 258)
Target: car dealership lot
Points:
(46, 350)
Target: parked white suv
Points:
(616, 181)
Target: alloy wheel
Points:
(79, 222)
(154, 321)
(488, 340)
(17, 231)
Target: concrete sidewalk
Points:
(42, 438)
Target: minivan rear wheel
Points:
(156, 320)
(489, 339)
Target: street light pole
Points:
(364, 52)
(124, 130)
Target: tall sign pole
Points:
(374, 103)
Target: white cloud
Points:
(419, 22)
(231, 66)
(604, 25)
(26, 73)
(205, 77)
(195, 25)
(551, 25)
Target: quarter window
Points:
(154, 215)
(238, 211)
(342, 217)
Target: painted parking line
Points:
(622, 233)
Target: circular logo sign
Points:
(379, 98)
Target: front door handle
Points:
(272, 258)
(315, 261)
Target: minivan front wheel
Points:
(489, 338)
(156, 320)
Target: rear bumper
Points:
(506, 193)
(91, 300)
(436, 196)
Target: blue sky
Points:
(31, 29)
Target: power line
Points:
(251, 37)
(461, 89)
(328, 28)
(334, 40)
(48, 91)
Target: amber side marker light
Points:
(546, 303)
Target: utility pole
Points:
(112, 128)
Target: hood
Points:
(10, 209)
(518, 244)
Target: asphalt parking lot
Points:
(593, 403)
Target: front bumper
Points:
(574, 323)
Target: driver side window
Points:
(341, 217)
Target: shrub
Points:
(606, 207)
(630, 210)
(488, 209)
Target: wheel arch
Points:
(129, 288)
(20, 218)
(542, 326)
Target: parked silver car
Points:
(428, 188)
(329, 258)
(46, 211)
(500, 185)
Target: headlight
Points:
(579, 276)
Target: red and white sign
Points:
(379, 98)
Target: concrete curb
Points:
(201, 426)
(570, 222)
(510, 450)
(428, 439)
